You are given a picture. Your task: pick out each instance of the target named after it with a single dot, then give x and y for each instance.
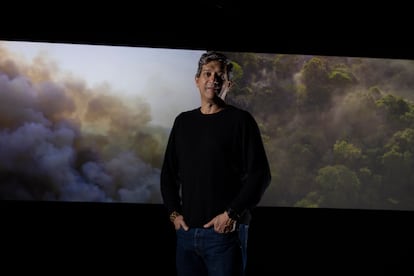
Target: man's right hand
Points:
(179, 222)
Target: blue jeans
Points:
(202, 252)
(243, 230)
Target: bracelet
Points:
(174, 215)
(232, 214)
(230, 226)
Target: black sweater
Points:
(213, 162)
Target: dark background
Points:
(70, 237)
(345, 29)
(138, 239)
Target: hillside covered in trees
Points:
(339, 131)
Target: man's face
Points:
(213, 81)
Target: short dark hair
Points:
(210, 56)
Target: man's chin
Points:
(212, 92)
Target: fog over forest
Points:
(339, 131)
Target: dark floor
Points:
(133, 237)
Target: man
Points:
(215, 171)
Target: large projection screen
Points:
(89, 123)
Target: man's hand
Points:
(178, 221)
(222, 223)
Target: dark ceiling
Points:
(221, 25)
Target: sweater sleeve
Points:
(256, 175)
(169, 180)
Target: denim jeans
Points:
(204, 252)
(243, 230)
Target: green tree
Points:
(347, 154)
(398, 162)
(338, 187)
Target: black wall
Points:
(133, 239)
(136, 238)
(259, 26)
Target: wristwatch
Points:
(232, 214)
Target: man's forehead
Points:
(213, 65)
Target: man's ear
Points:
(225, 90)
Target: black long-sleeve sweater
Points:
(213, 162)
